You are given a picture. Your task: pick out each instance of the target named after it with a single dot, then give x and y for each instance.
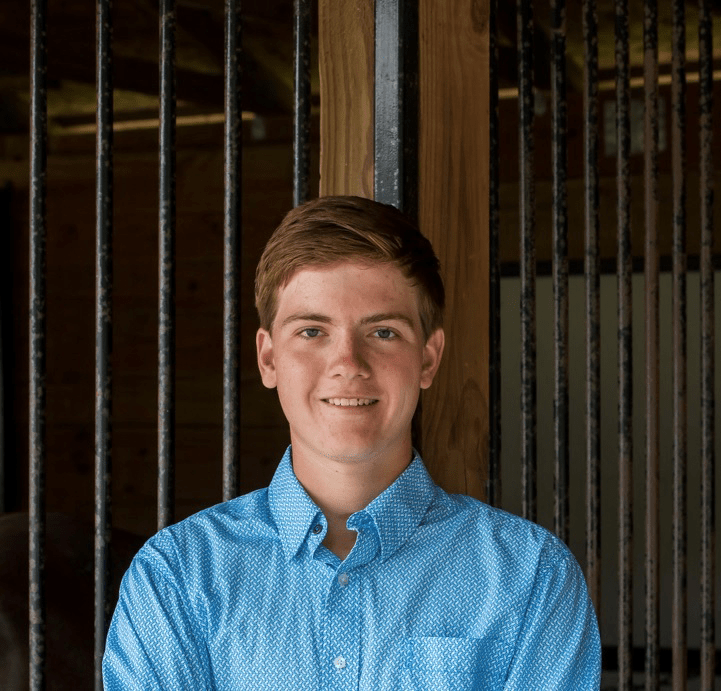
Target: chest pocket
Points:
(438, 663)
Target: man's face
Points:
(348, 331)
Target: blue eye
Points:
(311, 333)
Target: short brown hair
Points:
(329, 230)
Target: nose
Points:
(348, 360)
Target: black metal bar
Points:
(493, 489)
(301, 119)
(528, 258)
(166, 330)
(38, 234)
(396, 104)
(593, 305)
(103, 330)
(680, 524)
(232, 251)
(411, 90)
(389, 106)
(651, 271)
(560, 266)
(708, 458)
(625, 353)
(395, 174)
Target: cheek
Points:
(403, 372)
(299, 369)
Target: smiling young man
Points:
(352, 570)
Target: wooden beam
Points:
(453, 214)
(346, 53)
(453, 198)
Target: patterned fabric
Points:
(439, 592)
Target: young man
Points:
(353, 570)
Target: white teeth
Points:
(350, 401)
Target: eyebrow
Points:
(371, 319)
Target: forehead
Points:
(349, 286)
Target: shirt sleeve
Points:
(558, 646)
(154, 641)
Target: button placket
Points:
(342, 634)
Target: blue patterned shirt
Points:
(439, 592)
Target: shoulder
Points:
(495, 535)
(211, 533)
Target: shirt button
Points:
(339, 662)
(343, 579)
(317, 529)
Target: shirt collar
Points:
(292, 509)
(396, 512)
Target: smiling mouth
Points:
(350, 402)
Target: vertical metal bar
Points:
(389, 105)
(301, 113)
(396, 104)
(38, 233)
(528, 258)
(395, 174)
(708, 458)
(166, 330)
(592, 273)
(409, 43)
(493, 490)
(651, 265)
(388, 155)
(560, 266)
(232, 251)
(625, 353)
(103, 329)
(680, 525)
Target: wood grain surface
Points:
(453, 213)
(346, 54)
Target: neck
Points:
(340, 487)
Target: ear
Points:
(432, 352)
(266, 358)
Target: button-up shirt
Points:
(440, 591)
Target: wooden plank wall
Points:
(453, 198)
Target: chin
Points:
(349, 452)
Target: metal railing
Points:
(396, 182)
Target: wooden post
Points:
(452, 204)
(346, 54)
(453, 214)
